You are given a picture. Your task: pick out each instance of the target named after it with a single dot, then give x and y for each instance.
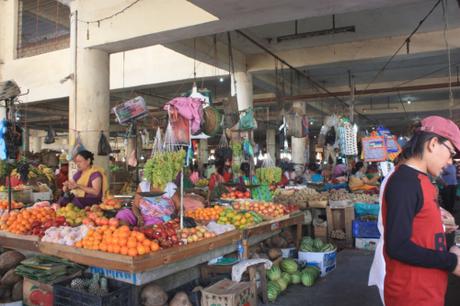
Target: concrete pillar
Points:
(25, 140)
(35, 144)
(299, 145)
(243, 90)
(89, 98)
(202, 153)
(271, 143)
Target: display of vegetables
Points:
(270, 175)
(294, 196)
(163, 167)
(65, 235)
(339, 195)
(237, 149)
(364, 198)
(202, 182)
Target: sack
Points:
(103, 147)
(49, 139)
(180, 127)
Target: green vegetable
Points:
(163, 167)
(318, 244)
(274, 273)
(312, 270)
(273, 289)
(289, 265)
(271, 175)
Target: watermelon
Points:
(272, 295)
(308, 279)
(274, 273)
(282, 283)
(296, 277)
(289, 265)
(312, 270)
(318, 244)
(273, 286)
(307, 240)
(286, 277)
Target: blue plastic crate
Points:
(365, 229)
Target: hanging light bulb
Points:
(221, 79)
(409, 102)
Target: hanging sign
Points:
(374, 149)
(130, 110)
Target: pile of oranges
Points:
(20, 222)
(14, 204)
(119, 240)
(206, 214)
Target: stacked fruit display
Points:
(110, 204)
(266, 209)
(239, 219)
(165, 234)
(235, 194)
(205, 214)
(202, 182)
(73, 215)
(20, 222)
(280, 277)
(39, 228)
(14, 204)
(118, 241)
(194, 234)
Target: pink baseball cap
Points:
(442, 127)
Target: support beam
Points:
(364, 49)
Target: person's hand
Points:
(448, 221)
(65, 186)
(457, 268)
(72, 185)
(455, 249)
(140, 221)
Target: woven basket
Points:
(212, 121)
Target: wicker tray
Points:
(317, 204)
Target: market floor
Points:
(347, 285)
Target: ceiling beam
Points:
(356, 50)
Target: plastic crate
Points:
(365, 229)
(120, 294)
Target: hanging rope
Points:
(445, 34)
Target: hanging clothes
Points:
(189, 108)
(348, 141)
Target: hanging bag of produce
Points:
(157, 143)
(103, 147)
(267, 175)
(247, 121)
(77, 147)
(180, 126)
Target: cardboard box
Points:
(366, 243)
(320, 232)
(229, 293)
(325, 261)
(36, 293)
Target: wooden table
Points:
(19, 242)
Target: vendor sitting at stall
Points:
(218, 178)
(88, 186)
(149, 210)
(358, 180)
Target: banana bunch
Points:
(46, 171)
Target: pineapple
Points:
(78, 284)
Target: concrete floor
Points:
(347, 285)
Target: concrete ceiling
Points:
(384, 20)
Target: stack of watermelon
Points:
(309, 244)
(281, 276)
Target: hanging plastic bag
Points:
(248, 149)
(223, 142)
(77, 147)
(247, 121)
(50, 136)
(132, 160)
(157, 143)
(103, 147)
(180, 126)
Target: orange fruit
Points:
(131, 243)
(146, 243)
(132, 252)
(141, 250)
(110, 248)
(154, 246)
(140, 236)
(116, 248)
(124, 228)
(103, 247)
(124, 250)
(78, 244)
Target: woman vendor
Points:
(88, 186)
(359, 181)
(218, 178)
(151, 210)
